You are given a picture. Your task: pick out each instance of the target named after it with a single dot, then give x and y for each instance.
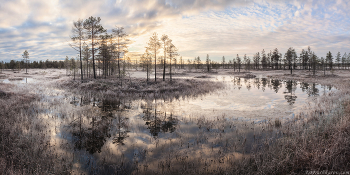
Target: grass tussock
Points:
(142, 88)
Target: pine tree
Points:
(208, 63)
(153, 47)
(93, 27)
(26, 58)
(329, 60)
(338, 59)
(275, 57)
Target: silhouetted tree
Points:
(338, 59)
(290, 57)
(93, 27)
(78, 37)
(146, 61)
(86, 56)
(166, 42)
(104, 53)
(207, 61)
(198, 62)
(153, 47)
(314, 60)
(26, 58)
(239, 62)
(66, 64)
(329, 60)
(73, 66)
(172, 50)
(120, 45)
(275, 57)
(263, 59)
(343, 60)
(256, 60)
(223, 62)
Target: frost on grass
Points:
(141, 88)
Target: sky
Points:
(197, 27)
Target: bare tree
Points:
(93, 27)
(154, 46)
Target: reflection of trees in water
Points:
(275, 85)
(91, 130)
(247, 84)
(264, 83)
(313, 90)
(237, 82)
(90, 135)
(310, 89)
(291, 86)
(122, 124)
(257, 83)
(157, 121)
(97, 137)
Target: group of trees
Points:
(153, 47)
(91, 40)
(307, 60)
(35, 64)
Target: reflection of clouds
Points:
(184, 134)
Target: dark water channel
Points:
(110, 136)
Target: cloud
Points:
(197, 27)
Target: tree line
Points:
(18, 65)
(307, 60)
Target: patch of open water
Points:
(106, 132)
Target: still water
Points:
(129, 134)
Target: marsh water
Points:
(129, 134)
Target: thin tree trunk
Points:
(155, 65)
(81, 63)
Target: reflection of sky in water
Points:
(254, 97)
(118, 129)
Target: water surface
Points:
(126, 133)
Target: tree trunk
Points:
(93, 52)
(81, 63)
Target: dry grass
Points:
(24, 141)
(316, 139)
(140, 87)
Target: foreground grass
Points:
(25, 143)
